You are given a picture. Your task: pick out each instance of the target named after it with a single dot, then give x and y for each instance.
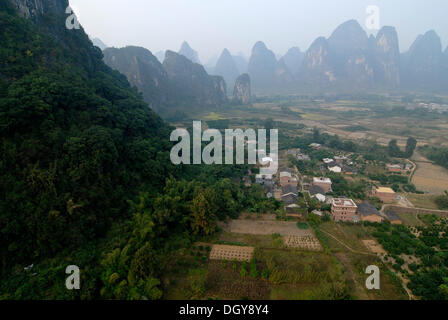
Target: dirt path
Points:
(414, 168)
(345, 245)
(404, 281)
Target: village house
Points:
(318, 193)
(335, 169)
(393, 217)
(285, 178)
(293, 210)
(385, 194)
(324, 183)
(368, 212)
(394, 167)
(289, 194)
(320, 197)
(316, 189)
(343, 209)
(349, 170)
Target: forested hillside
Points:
(85, 174)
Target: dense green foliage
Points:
(394, 150)
(437, 154)
(429, 277)
(76, 141)
(442, 201)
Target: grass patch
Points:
(302, 225)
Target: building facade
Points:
(343, 209)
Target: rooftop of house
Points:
(322, 180)
(348, 168)
(285, 174)
(397, 166)
(392, 216)
(289, 189)
(316, 190)
(367, 209)
(384, 190)
(343, 202)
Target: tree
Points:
(203, 220)
(442, 202)
(411, 144)
(316, 135)
(393, 149)
(145, 262)
(268, 124)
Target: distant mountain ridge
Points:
(348, 60)
(189, 53)
(351, 60)
(176, 84)
(227, 68)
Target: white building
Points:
(320, 197)
(335, 169)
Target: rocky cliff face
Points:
(144, 71)
(387, 57)
(262, 67)
(35, 8)
(189, 53)
(190, 80)
(422, 64)
(242, 91)
(350, 59)
(317, 65)
(348, 47)
(227, 68)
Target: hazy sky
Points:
(211, 25)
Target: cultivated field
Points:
(429, 177)
(262, 227)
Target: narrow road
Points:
(345, 245)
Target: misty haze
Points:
(206, 152)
